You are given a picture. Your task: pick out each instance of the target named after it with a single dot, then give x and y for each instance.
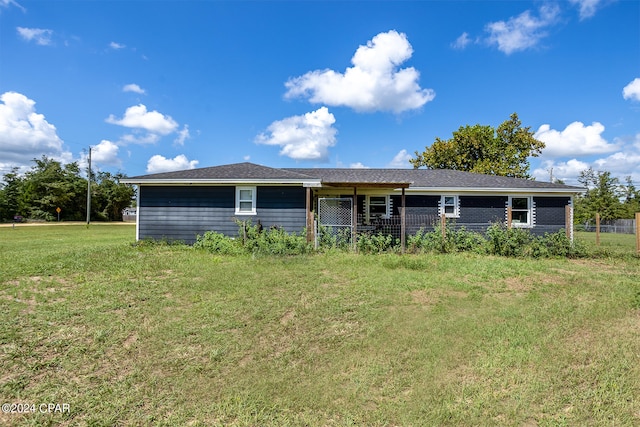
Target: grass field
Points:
(166, 335)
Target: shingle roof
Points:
(428, 178)
(241, 171)
(414, 178)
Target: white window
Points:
(449, 206)
(521, 211)
(245, 200)
(378, 207)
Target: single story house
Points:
(183, 204)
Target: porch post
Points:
(568, 222)
(309, 217)
(402, 224)
(638, 232)
(354, 219)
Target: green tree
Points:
(631, 198)
(110, 196)
(504, 151)
(603, 196)
(10, 192)
(49, 185)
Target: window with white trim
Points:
(521, 211)
(377, 207)
(245, 200)
(449, 206)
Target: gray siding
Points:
(185, 223)
(281, 198)
(550, 212)
(182, 213)
(482, 209)
(188, 196)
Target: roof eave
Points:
(393, 185)
(498, 190)
(208, 181)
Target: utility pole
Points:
(89, 190)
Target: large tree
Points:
(10, 192)
(603, 196)
(50, 185)
(110, 196)
(504, 151)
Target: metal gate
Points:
(335, 221)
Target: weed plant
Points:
(498, 240)
(253, 239)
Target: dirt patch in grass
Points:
(288, 316)
(423, 297)
(595, 265)
(431, 297)
(516, 285)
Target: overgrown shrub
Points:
(252, 239)
(497, 240)
(329, 239)
(273, 240)
(377, 243)
(558, 244)
(455, 240)
(512, 242)
(218, 243)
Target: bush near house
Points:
(498, 240)
(253, 239)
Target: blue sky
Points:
(165, 85)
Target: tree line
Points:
(607, 196)
(49, 185)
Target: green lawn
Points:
(166, 335)
(610, 243)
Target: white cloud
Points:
(523, 31)
(632, 90)
(306, 137)
(138, 117)
(158, 163)
(568, 171)
(358, 165)
(575, 140)
(141, 138)
(587, 7)
(624, 162)
(134, 88)
(7, 3)
(620, 163)
(116, 46)
(461, 42)
(401, 160)
(25, 134)
(106, 153)
(41, 36)
(374, 83)
(183, 135)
